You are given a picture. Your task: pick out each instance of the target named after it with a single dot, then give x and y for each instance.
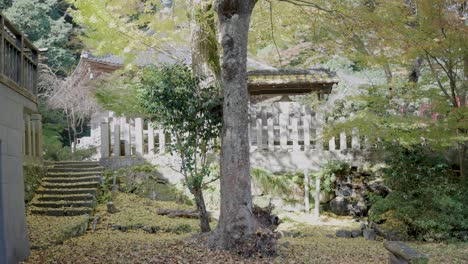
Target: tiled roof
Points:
(279, 77)
(290, 82)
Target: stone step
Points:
(77, 165)
(71, 179)
(67, 169)
(72, 185)
(72, 211)
(74, 174)
(63, 191)
(69, 197)
(63, 204)
(71, 162)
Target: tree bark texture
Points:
(203, 214)
(237, 224)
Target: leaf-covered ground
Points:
(302, 243)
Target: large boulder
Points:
(340, 205)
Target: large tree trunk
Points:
(237, 224)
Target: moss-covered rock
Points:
(147, 182)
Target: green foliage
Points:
(276, 185)
(406, 114)
(118, 93)
(121, 27)
(426, 198)
(43, 23)
(332, 171)
(173, 98)
(32, 175)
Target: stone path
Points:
(69, 189)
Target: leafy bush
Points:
(273, 184)
(33, 175)
(332, 171)
(427, 196)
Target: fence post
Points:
(150, 139)
(105, 144)
(116, 139)
(343, 143)
(317, 198)
(139, 136)
(331, 142)
(355, 139)
(319, 131)
(306, 129)
(259, 125)
(295, 133)
(306, 191)
(271, 134)
(283, 122)
(162, 140)
(2, 45)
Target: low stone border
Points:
(402, 254)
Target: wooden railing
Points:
(18, 58)
(288, 126)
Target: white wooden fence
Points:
(284, 126)
(132, 137)
(287, 126)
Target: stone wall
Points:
(14, 244)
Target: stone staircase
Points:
(69, 189)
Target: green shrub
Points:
(332, 171)
(33, 175)
(427, 196)
(280, 185)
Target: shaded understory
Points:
(300, 244)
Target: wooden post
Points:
(343, 143)
(295, 133)
(306, 129)
(105, 142)
(306, 191)
(2, 45)
(116, 139)
(317, 198)
(271, 134)
(319, 131)
(150, 139)
(355, 139)
(21, 80)
(283, 122)
(139, 136)
(162, 140)
(331, 142)
(259, 125)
